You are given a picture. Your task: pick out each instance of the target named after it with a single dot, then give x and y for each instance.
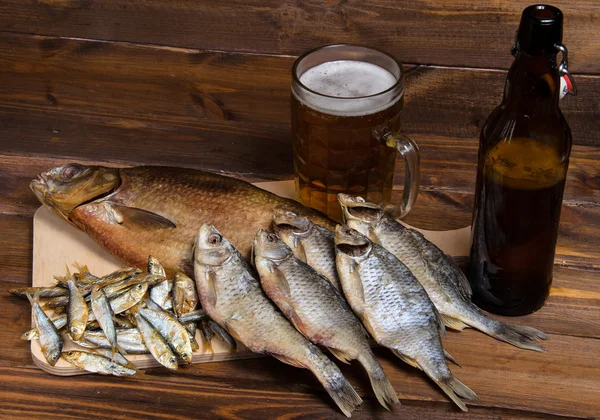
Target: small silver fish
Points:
(33, 334)
(445, 283)
(45, 292)
(96, 363)
(104, 315)
(129, 340)
(77, 311)
(174, 333)
(231, 295)
(185, 298)
(49, 337)
(395, 308)
(310, 243)
(154, 342)
(129, 298)
(161, 292)
(317, 309)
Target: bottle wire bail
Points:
(563, 70)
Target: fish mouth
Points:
(288, 220)
(356, 208)
(39, 187)
(351, 242)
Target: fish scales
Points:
(395, 308)
(445, 283)
(232, 296)
(316, 309)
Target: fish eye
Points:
(139, 286)
(271, 237)
(215, 238)
(70, 172)
(173, 359)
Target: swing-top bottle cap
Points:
(540, 30)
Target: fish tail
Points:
(519, 336)
(379, 381)
(454, 388)
(334, 382)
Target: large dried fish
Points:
(136, 212)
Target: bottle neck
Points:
(533, 84)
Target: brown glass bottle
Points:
(523, 158)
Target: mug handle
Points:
(409, 150)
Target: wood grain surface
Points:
(458, 33)
(187, 99)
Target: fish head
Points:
(77, 329)
(290, 227)
(65, 187)
(359, 214)
(268, 245)
(211, 248)
(351, 242)
(154, 267)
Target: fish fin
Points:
(299, 251)
(140, 218)
(211, 294)
(343, 395)
(355, 282)
(440, 321)
(232, 332)
(519, 336)
(452, 359)
(454, 323)
(283, 287)
(341, 355)
(367, 324)
(460, 280)
(289, 361)
(454, 388)
(281, 282)
(406, 359)
(223, 335)
(379, 381)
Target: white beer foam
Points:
(347, 79)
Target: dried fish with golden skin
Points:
(96, 363)
(77, 312)
(153, 210)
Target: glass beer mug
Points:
(346, 106)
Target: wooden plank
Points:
(193, 101)
(463, 33)
(32, 394)
(563, 381)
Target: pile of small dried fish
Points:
(125, 312)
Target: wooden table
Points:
(565, 381)
(205, 84)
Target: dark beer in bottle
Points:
(523, 158)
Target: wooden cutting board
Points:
(58, 245)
